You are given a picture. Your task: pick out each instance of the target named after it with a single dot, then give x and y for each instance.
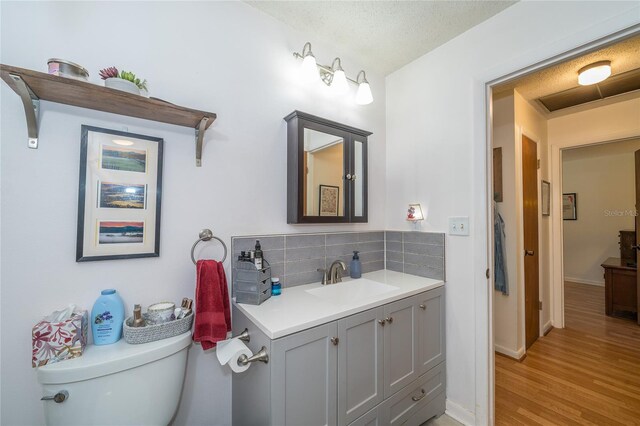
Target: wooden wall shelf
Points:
(33, 86)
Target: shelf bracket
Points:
(31, 105)
(199, 139)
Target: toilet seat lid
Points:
(102, 360)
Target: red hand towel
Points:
(213, 316)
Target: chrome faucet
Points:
(335, 271)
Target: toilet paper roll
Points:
(228, 352)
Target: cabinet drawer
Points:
(408, 401)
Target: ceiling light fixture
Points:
(594, 73)
(333, 76)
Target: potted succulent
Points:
(123, 80)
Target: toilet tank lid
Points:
(99, 361)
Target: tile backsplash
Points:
(416, 253)
(296, 258)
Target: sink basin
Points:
(350, 291)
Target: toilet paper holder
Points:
(261, 356)
(244, 336)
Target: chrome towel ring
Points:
(206, 235)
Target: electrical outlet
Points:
(459, 225)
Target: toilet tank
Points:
(119, 384)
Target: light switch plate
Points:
(459, 225)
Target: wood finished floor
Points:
(587, 373)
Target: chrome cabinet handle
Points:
(423, 307)
(389, 319)
(335, 341)
(418, 398)
(58, 398)
(381, 322)
(529, 253)
(348, 176)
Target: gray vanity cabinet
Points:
(400, 345)
(430, 316)
(303, 388)
(360, 365)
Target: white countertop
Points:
(296, 309)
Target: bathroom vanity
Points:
(369, 351)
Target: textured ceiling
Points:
(624, 56)
(383, 35)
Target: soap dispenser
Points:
(355, 267)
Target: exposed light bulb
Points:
(594, 73)
(363, 95)
(339, 83)
(309, 68)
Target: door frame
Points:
(484, 351)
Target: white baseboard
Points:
(510, 352)
(583, 281)
(459, 413)
(546, 328)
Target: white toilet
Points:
(119, 384)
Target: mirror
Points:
(323, 182)
(326, 171)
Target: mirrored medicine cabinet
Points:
(326, 171)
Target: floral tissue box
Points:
(57, 341)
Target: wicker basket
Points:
(151, 333)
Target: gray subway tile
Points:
(371, 246)
(306, 265)
(421, 260)
(434, 238)
(248, 243)
(372, 266)
(304, 253)
(424, 271)
(342, 238)
(394, 246)
(341, 250)
(371, 236)
(394, 236)
(305, 240)
(274, 256)
(394, 256)
(302, 278)
(277, 270)
(395, 266)
(373, 256)
(425, 249)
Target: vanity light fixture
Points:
(333, 76)
(594, 73)
(414, 213)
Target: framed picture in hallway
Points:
(569, 206)
(119, 195)
(546, 198)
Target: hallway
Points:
(587, 373)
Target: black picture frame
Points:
(324, 212)
(114, 222)
(570, 206)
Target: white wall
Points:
(604, 181)
(223, 57)
(436, 154)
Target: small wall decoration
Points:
(119, 195)
(329, 200)
(569, 206)
(497, 175)
(546, 198)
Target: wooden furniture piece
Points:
(33, 86)
(321, 152)
(621, 287)
(382, 366)
(627, 245)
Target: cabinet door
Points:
(372, 418)
(400, 345)
(360, 369)
(431, 329)
(304, 378)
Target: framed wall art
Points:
(546, 198)
(329, 200)
(119, 195)
(569, 206)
